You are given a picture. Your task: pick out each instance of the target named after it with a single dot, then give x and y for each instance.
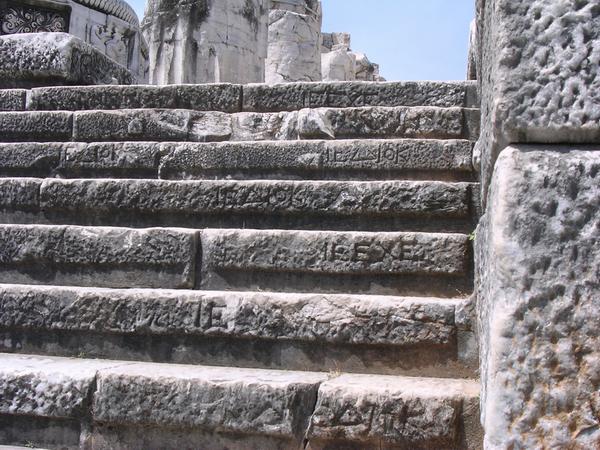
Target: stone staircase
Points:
(238, 267)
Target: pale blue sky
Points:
(410, 39)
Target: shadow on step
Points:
(441, 361)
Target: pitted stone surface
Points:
(109, 257)
(331, 252)
(410, 412)
(12, 99)
(37, 59)
(47, 387)
(197, 198)
(380, 122)
(538, 254)
(220, 399)
(294, 96)
(149, 124)
(204, 97)
(36, 126)
(538, 74)
(21, 194)
(319, 157)
(348, 319)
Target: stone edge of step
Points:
(245, 98)
(301, 405)
(331, 318)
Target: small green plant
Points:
(472, 236)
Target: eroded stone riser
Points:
(392, 205)
(116, 400)
(214, 126)
(364, 334)
(249, 97)
(309, 261)
(407, 159)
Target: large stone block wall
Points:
(537, 247)
(538, 74)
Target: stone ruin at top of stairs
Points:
(301, 264)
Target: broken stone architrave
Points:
(340, 63)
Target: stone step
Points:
(351, 333)
(181, 125)
(340, 205)
(396, 263)
(251, 98)
(115, 404)
(389, 263)
(315, 159)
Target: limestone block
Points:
(538, 275)
(265, 126)
(190, 160)
(334, 252)
(21, 194)
(38, 59)
(386, 122)
(344, 319)
(27, 159)
(213, 97)
(123, 159)
(376, 412)
(538, 73)
(196, 199)
(295, 96)
(47, 387)
(197, 41)
(339, 65)
(154, 125)
(267, 402)
(109, 257)
(36, 126)
(293, 53)
(12, 99)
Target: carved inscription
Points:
(384, 253)
(18, 18)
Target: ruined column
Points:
(203, 41)
(294, 41)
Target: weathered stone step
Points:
(342, 205)
(180, 125)
(326, 261)
(301, 261)
(252, 97)
(106, 404)
(352, 333)
(94, 256)
(315, 159)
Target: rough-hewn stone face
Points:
(294, 42)
(12, 99)
(538, 74)
(38, 59)
(310, 317)
(213, 97)
(203, 397)
(109, 257)
(188, 45)
(414, 413)
(294, 96)
(538, 254)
